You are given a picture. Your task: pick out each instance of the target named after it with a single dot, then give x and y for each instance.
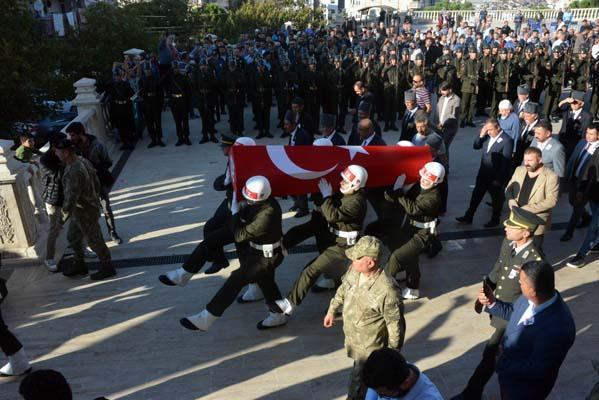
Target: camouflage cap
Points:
(366, 246)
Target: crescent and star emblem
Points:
(281, 160)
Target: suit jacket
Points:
(408, 127)
(590, 178)
(573, 130)
(337, 139)
(495, 164)
(532, 351)
(452, 113)
(543, 196)
(554, 156)
(301, 138)
(354, 137)
(573, 162)
(517, 107)
(307, 124)
(525, 137)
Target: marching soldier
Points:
(391, 79)
(344, 214)
(421, 204)
(205, 84)
(150, 90)
(555, 68)
(121, 108)
(469, 87)
(180, 92)
(81, 205)
(262, 88)
(502, 76)
(233, 84)
(517, 249)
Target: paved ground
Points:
(121, 338)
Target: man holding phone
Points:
(502, 282)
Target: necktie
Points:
(513, 253)
(525, 132)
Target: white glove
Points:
(325, 188)
(399, 182)
(234, 204)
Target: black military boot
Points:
(205, 139)
(74, 269)
(106, 271)
(213, 138)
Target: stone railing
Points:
(501, 15)
(23, 235)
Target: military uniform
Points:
(262, 101)
(372, 316)
(555, 70)
(469, 90)
(503, 280)
(204, 86)
(345, 215)
(422, 208)
(233, 86)
(286, 85)
(502, 76)
(311, 86)
(151, 91)
(254, 226)
(82, 206)
(337, 97)
(391, 77)
(485, 83)
(179, 89)
(121, 111)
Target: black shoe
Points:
(576, 262)
(260, 135)
(161, 143)
(434, 249)
(584, 221)
(204, 139)
(268, 134)
(188, 325)
(394, 127)
(215, 267)
(284, 135)
(464, 219)
(115, 237)
(76, 271)
(491, 224)
(566, 237)
(301, 213)
(213, 139)
(152, 144)
(179, 143)
(471, 124)
(103, 274)
(164, 280)
(187, 142)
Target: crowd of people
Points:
(426, 84)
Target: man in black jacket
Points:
(494, 171)
(297, 137)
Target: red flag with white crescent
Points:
(294, 170)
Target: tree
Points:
(450, 6)
(584, 4)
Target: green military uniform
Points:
(344, 214)
(469, 89)
(580, 74)
(82, 206)
(262, 100)
(391, 77)
(254, 226)
(286, 85)
(233, 83)
(502, 76)
(405, 81)
(485, 81)
(503, 279)
(458, 63)
(180, 92)
(446, 71)
(422, 208)
(372, 312)
(555, 70)
(337, 98)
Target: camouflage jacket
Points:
(81, 187)
(372, 313)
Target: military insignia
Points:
(526, 253)
(513, 274)
(500, 140)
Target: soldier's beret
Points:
(410, 95)
(291, 116)
(531, 108)
(328, 120)
(227, 139)
(365, 106)
(65, 144)
(578, 95)
(367, 246)
(523, 89)
(523, 219)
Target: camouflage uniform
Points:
(372, 318)
(82, 206)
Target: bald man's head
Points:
(365, 128)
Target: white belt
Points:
(349, 236)
(267, 249)
(432, 226)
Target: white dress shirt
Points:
(492, 141)
(367, 141)
(528, 317)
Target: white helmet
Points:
(433, 171)
(355, 175)
(405, 143)
(244, 141)
(323, 142)
(257, 188)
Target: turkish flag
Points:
(294, 170)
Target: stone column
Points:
(89, 108)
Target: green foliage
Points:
(450, 6)
(584, 4)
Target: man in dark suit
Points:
(530, 119)
(297, 137)
(364, 112)
(408, 127)
(494, 171)
(304, 120)
(368, 137)
(574, 170)
(328, 123)
(539, 333)
(574, 123)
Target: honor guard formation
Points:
(380, 84)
